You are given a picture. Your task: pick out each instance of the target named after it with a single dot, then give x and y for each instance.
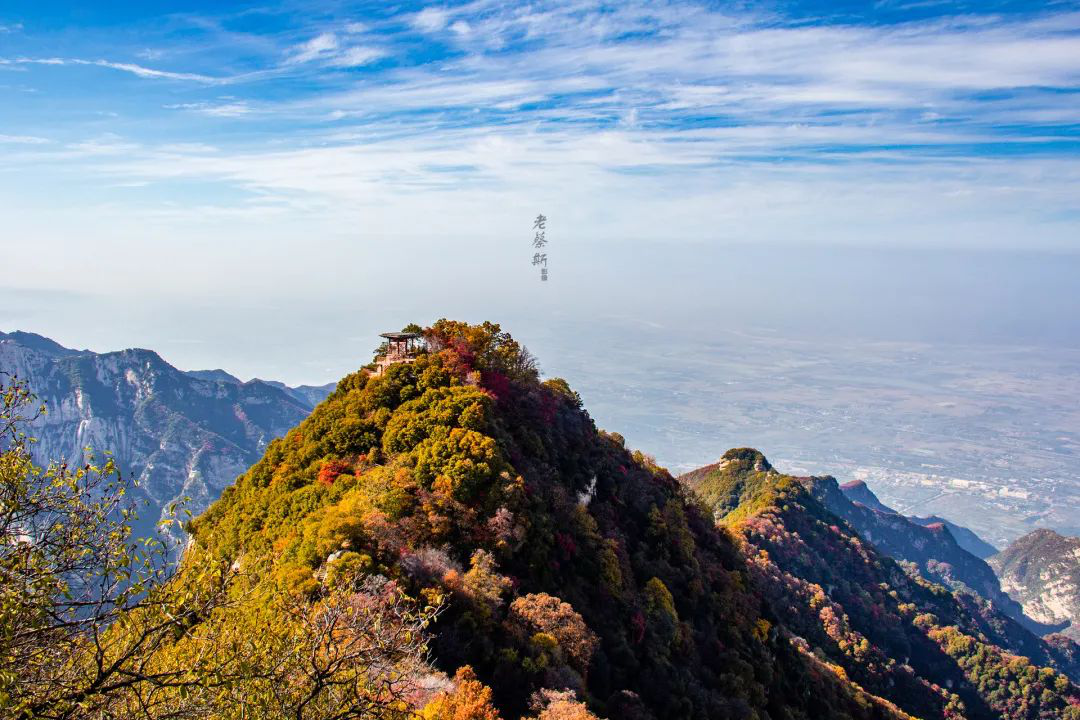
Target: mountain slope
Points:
(931, 549)
(1041, 571)
(567, 562)
(965, 537)
(932, 652)
(178, 434)
(859, 492)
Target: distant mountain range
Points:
(1041, 571)
(179, 434)
(1035, 581)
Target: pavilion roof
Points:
(400, 335)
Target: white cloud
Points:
(681, 45)
(357, 56)
(39, 61)
(431, 19)
(132, 68)
(109, 144)
(148, 72)
(316, 48)
(697, 109)
(221, 109)
(327, 49)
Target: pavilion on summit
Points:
(401, 347)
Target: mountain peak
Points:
(965, 537)
(858, 491)
(569, 562)
(746, 459)
(1043, 535)
(40, 343)
(216, 375)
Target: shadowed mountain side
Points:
(859, 492)
(931, 549)
(931, 651)
(964, 537)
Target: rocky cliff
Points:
(177, 434)
(1041, 571)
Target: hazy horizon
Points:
(823, 294)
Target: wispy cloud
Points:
(318, 47)
(220, 109)
(674, 107)
(23, 140)
(356, 56)
(132, 68)
(146, 72)
(328, 49)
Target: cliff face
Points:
(177, 434)
(1041, 571)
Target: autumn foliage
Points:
(573, 578)
(468, 700)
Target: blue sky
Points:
(274, 153)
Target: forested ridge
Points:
(934, 652)
(562, 560)
(456, 539)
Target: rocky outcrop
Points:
(1041, 571)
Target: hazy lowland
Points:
(947, 379)
(983, 435)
